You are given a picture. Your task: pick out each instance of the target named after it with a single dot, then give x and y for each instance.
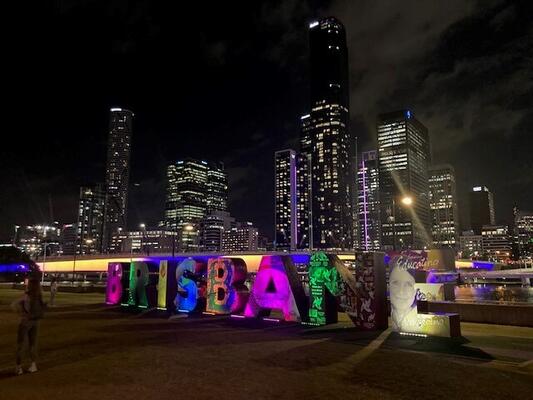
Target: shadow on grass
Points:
(451, 347)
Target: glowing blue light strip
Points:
(17, 268)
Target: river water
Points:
(494, 293)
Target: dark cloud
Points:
(465, 69)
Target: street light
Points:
(143, 228)
(189, 228)
(44, 261)
(407, 201)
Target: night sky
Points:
(229, 80)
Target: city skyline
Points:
(245, 143)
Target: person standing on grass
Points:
(53, 291)
(31, 308)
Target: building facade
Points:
(285, 205)
(470, 245)
(68, 239)
(368, 206)
(330, 144)
(194, 188)
(523, 231)
(217, 187)
(117, 172)
(404, 156)
(496, 242)
(241, 238)
(212, 228)
(443, 205)
(145, 241)
(304, 214)
(91, 219)
(481, 208)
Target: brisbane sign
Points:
(223, 286)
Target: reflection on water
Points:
(496, 293)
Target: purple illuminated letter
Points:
(273, 289)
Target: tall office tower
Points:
(212, 227)
(443, 205)
(481, 208)
(403, 150)
(217, 187)
(332, 148)
(523, 231)
(303, 187)
(91, 216)
(68, 239)
(193, 188)
(285, 200)
(117, 172)
(369, 223)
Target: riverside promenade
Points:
(92, 351)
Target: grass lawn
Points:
(90, 351)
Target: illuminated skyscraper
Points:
(212, 228)
(117, 172)
(194, 188)
(326, 138)
(303, 187)
(369, 223)
(403, 150)
(523, 230)
(91, 214)
(481, 208)
(443, 205)
(217, 187)
(285, 200)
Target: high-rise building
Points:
(443, 205)
(217, 187)
(404, 155)
(285, 207)
(303, 187)
(91, 216)
(523, 231)
(481, 208)
(69, 239)
(496, 242)
(368, 208)
(470, 245)
(194, 187)
(243, 237)
(117, 172)
(212, 227)
(330, 145)
(117, 240)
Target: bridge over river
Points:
(523, 274)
